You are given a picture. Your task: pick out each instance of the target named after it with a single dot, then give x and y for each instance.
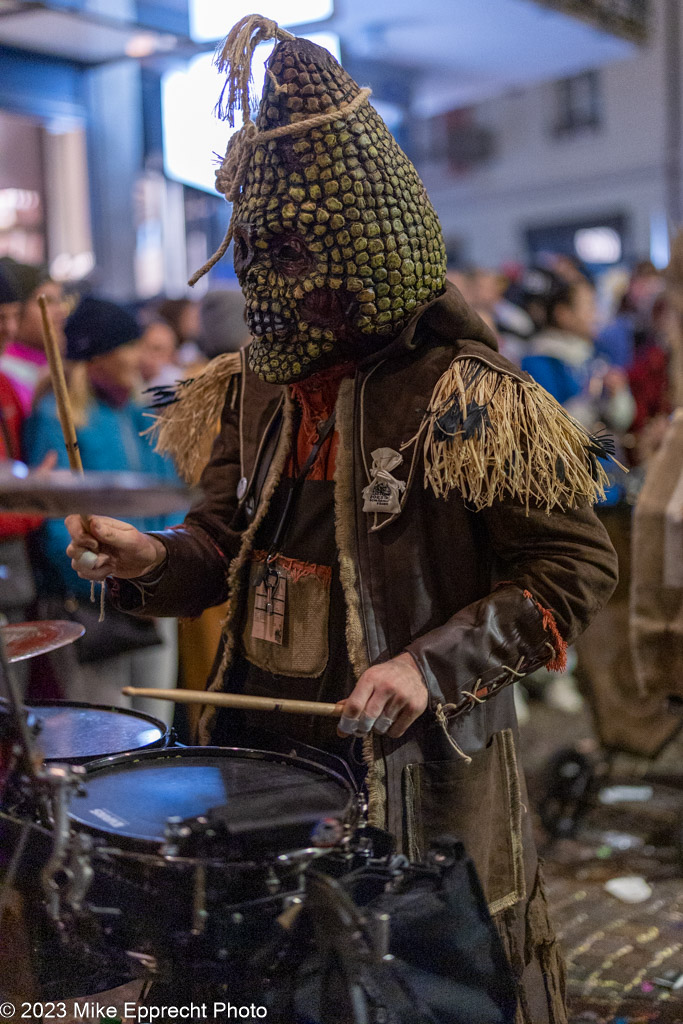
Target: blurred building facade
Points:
(597, 155)
(510, 154)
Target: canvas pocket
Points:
(304, 650)
(478, 803)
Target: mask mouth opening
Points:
(329, 308)
(263, 322)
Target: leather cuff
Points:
(485, 646)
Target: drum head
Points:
(248, 793)
(77, 733)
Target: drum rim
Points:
(252, 753)
(131, 758)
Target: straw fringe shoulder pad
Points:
(493, 433)
(187, 417)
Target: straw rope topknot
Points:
(236, 57)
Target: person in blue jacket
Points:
(562, 358)
(102, 346)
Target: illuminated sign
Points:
(626, 18)
(194, 138)
(209, 21)
(598, 245)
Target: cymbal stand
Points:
(17, 710)
(62, 780)
(51, 787)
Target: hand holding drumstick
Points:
(100, 546)
(114, 548)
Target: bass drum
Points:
(77, 733)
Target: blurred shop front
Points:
(44, 195)
(74, 192)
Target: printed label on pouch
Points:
(383, 493)
(269, 609)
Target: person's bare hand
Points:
(387, 698)
(120, 549)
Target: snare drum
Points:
(246, 823)
(78, 733)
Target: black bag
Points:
(118, 633)
(446, 964)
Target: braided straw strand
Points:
(236, 56)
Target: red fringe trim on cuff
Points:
(559, 662)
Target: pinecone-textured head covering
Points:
(336, 243)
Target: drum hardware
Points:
(199, 911)
(63, 781)
(273, 884)
(81, 869)
(144, 960)
(378, 926)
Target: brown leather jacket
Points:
(438, 579)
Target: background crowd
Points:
(599, 346)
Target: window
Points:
(578, 103)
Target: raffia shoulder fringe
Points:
(491, 435)
(186, 422)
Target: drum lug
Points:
(145, 960)
(199, 911)
(378, 927)
(81, 869)
(273, 883)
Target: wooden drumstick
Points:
(239, 700)
(66, 419)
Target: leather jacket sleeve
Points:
(558, 568)
(194, 575)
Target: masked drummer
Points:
(395, 514)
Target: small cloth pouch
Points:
(304, 648)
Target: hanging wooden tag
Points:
(269, 608)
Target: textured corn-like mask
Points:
(336, 244)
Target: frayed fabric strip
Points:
(559, 662)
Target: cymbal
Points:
(28, 639)
(60, 493)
